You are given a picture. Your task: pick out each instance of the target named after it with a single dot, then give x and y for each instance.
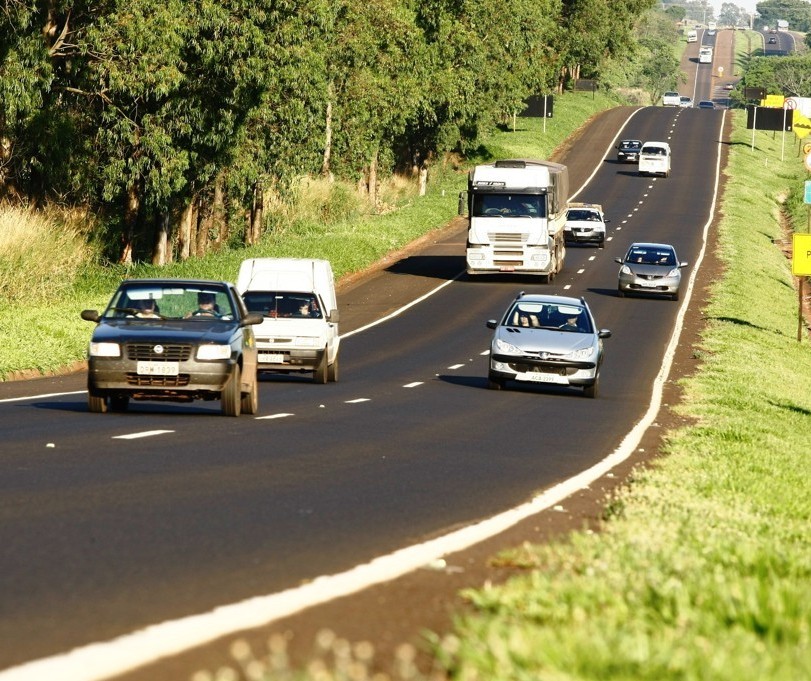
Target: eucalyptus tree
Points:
(597, 31)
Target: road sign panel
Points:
(807, 197)
(801, 255)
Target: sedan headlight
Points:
(213, 351)
(674, 272)
(105, 350)
(507, 348)
(625, 270)
(585, 353)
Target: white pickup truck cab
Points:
(299, 331)
(671, 99)
(654, 159)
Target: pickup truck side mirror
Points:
(333, 316)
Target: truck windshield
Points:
(509, 205)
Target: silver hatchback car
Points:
(546, 339)
(650, 268)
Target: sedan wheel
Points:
(97, 405)
(250, 399)
(495, 383)
(620, 292)
(231, 397)
(590, 390)
(332, 371)
(320, 373)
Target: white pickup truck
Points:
(671, 99)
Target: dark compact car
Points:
(628, 151)
(706, 104)
(546, 339)
(176, 340)
(772, 40)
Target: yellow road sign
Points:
(773, 101)
(801, 255)
(802, 125)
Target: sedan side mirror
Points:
(683, 264)
(492, 323)
(619, 260)
(90, 315)
(604, 333)
(251, 318)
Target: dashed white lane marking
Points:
(102, 660)
(580, 271)
(145, 433)
(281, 415)
(592, 257)
(455, 366)
(43, 396)
(486, 352)
(567, 287)
(358, 400)
(413, 385)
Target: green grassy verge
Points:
(47, 336)
(704, 572)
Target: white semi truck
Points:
(517, 210)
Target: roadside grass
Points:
(702, 566)
(704, 571)
(44, 333)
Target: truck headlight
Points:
(105, 350)
(213, 351)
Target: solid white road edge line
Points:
(99, 661)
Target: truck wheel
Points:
(97, 405)
(119, 402)
(332, 371)
(320, 373)
(231, 398)
(250, 399)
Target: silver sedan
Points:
(650, 268)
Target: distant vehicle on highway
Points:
(546, 339)
(686, 102)
(650, 268)
(177, 340)
(628, 151)
(772, 40)
(585, 223)
(654, 159)
(706, 104)
(670, 99)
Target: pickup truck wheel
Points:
(250, 399)
(97, 405)
(231, 398)
(332, 371)
(320, 373)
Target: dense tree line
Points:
(174, 118)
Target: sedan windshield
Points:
(167, 300)
(549, 316)
(651, 256)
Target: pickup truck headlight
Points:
(213, 351)
(105, 350)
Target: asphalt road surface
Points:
(110, 523)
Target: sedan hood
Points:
(545, 340)
(162, 331)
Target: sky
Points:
(748, 5)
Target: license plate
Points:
(540, 377)
(647, 284)
(271, 358)
(146, 368)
